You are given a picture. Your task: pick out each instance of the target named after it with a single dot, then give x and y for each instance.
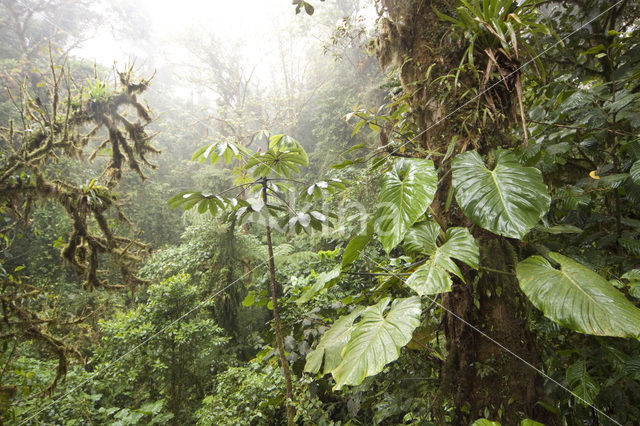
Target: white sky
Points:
(252, 21)
(233, 16)
(259, 25)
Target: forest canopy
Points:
(320, 212)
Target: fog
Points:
(267, 39)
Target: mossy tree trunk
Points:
(481, 378)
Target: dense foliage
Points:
(461, 246)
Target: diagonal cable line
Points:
(142, 343)
(366, 160)
(437, 122)
(55, 401)
(476, 97)
(440, 120)
(434, 300)
(145, 341)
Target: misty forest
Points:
(340, 212)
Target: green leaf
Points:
(632, 368)
(178, 199)
(325, 279)
(634, 282)
(581, 383)
(287, 144)
(331, 344)
(284, 155)
(217, 150)
(561, 229)
(508, 200)
(484, 422)
(186, 199)
(632, 275)
(198, 154)
(433, 276)
(577, 298)
(407, 191)
(358, 127)
(316, 190)
(444, 17)
(347, 163)
(354, 148)
(631, 245)
(596, 49)
(317, 219)
(529, 422)
(549, 407)
(612, 181)
(354, 248)
(634, 289)
(635, 172)
(376, 340)
(249, 299)
(421, 238)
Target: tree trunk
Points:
(481, 378)
(276, 317)
(484, 373)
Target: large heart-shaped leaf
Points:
(508, 200)
(433, 276)
(332, 343)
(421, 238)
(576, 297)
(376, 340)
(407, 191)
